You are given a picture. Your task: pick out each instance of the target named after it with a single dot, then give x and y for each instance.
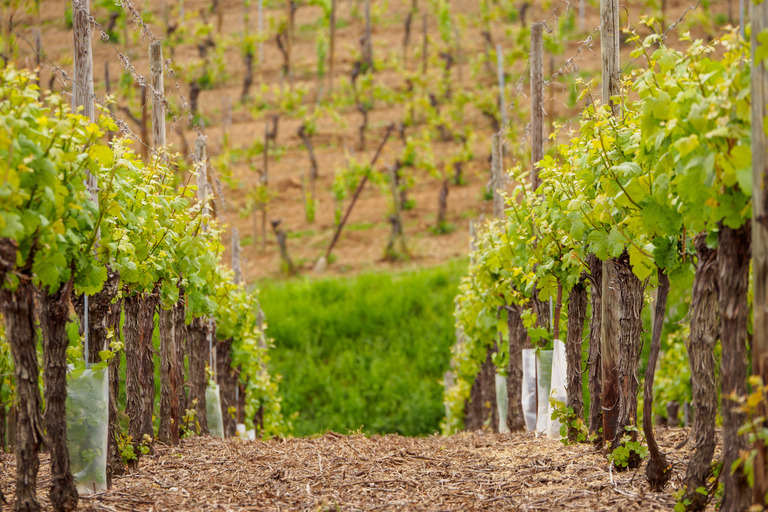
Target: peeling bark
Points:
(180, 343)
(54, 314)
(168, 424)
(104, 315)
(594, 361)
(481, 408)
(518, 335)
(139, 372)
(198, 359)
(577, 314)
(621, 347)
(18, 309)
(228, 382)
(705, 324)
(733, 258)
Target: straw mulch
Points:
(334, 472)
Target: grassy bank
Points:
(364, 352)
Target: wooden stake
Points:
(460, 69)
(368, 41)
(289, 43)
(332, 49)
(201, 158)
(398, 220)
(158, 91)
(261, 31)
(759, 17)
(497, 174)
(537, 101)
(236, 263)
(425, 44)
(502, 102)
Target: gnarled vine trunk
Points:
(594, 360)
(180, 343)
(104, 315)
(518, 339)
(733, 257)
(621, 342)
(17, 308)
(139, 370)
(657, 471)
(228, 381)
(577, 314)
(481, 408)
(169, 418)
(705, 330)
(54, 313)
(198, 358)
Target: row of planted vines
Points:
(635, 234)
(101, 251)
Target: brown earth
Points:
(361, 247)
(474, 471)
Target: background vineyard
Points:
(364, 241)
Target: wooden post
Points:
(82, 88)
(158, 92)
(107, 92)
(289, 42)
(261, 32)
(759, 17)
(246, 18)
(425, 44)
(226, 121)
(368, 41)
(396, 202)
(609, 34)
(201, 158)
(497, 174)
(236, 263)
(219, 15)
(622, 291)
(332, 49)
(38, 55)
(537, 101)
(502, 102)
(459, 63)
(742, 21)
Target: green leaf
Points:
(642, 265)
(761, 53)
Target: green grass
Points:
(365, 352)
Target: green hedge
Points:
(365, 352)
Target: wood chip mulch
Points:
(477, 471)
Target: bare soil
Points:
(477, 471)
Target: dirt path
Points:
(333, 472)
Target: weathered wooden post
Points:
(537, 101)
(425, 44)
(541, 308)
(332, 48)
(759, 17)
(502, 101)
(622, 291)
